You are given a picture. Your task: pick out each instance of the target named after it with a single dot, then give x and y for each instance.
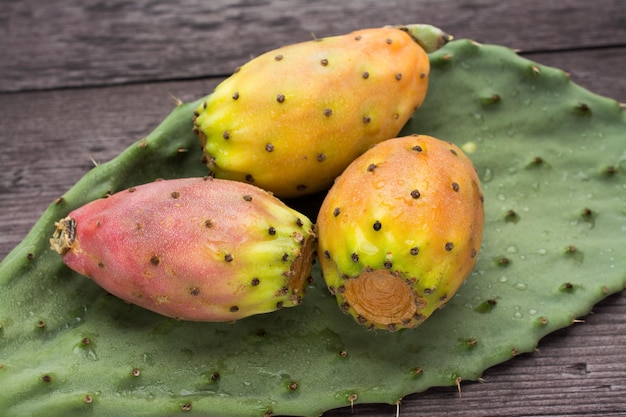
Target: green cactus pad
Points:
(551, 158)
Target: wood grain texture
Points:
(65, 43)
(125, 60)
(601, 70)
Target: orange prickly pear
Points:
(292, 119)
(193, 249)
(400, 231)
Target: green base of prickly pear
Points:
(550, 157)
(429, 37)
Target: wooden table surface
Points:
(82, 80)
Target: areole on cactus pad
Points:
(550, 157)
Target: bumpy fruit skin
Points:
(292, 119)
(198, 249)
(400, 231)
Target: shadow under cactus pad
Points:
(552, 160)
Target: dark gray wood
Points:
(125, 60)
(64, 43)
(601, 70)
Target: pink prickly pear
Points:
(400, 231)
(193, 249)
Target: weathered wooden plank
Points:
(65, 43)
(601, 70)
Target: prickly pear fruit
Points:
(400, 230)
(198, 249)
(292, 119)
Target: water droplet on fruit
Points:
(368, 248)
(520, 286)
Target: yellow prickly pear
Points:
(400, 231)
(292, 119)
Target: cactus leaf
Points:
(550, 156)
